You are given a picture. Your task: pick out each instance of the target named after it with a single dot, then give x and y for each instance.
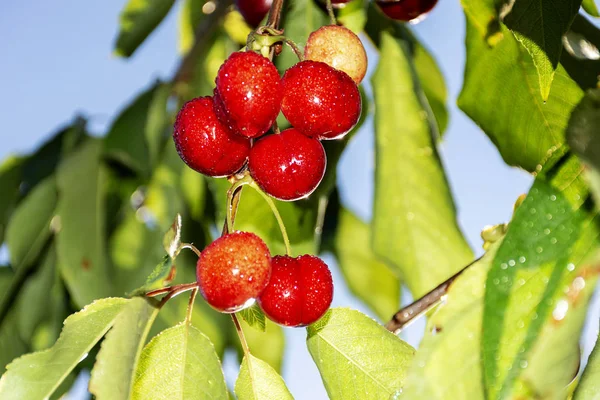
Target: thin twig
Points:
(191, 247)
(286, 239)
(190, 309)
(240, 332)
(275, 14)
(329, 7)
(411, 312)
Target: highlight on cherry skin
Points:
(288, 166)
(320, 101)
(206, 145)
(233, 271)
(248, 93)
(299, 292)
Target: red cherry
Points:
(287, 166)
(205, 144)
(233, 270)
(407, 10)
(320, 101)
(248, 93)
(253, 11)
(299, 292)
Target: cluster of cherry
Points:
(318, 96)
(222, 135)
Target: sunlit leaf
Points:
(29, 377)
(501, 94)
(138, 19)
(179, 363)
(116, 363)
(539, 26)
(357, 357)
(254, 317)
(590, 7)
(548, 237)
(414, 220)
(258, 381)
(431, 81)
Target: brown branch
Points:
(419, 307)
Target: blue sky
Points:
(57, 62)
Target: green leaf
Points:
(254, 317)
(362, 270)
(257, 381)
(29, 377)
(539, 26)
(447, 365)
(300, 18)
(431, 80)
(10, 180)
(483, 16)
(172, 239)
(82, 257)
(137, 20)
(590, 7)
(548, 237)
(136, 137)
(353, 16)
(11, 343)
(589, 386)
(410, 182)
(501, 82)
(35, 302)
(179, 363)
(357, 357)
(26, 236)
(268, 345)
(116, 363)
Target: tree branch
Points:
(411, 312)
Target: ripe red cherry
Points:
(233, 270)
(248, 93)
(253, 11)
(299, 292)
(205, 144)
(287, 166)
(320, 101)
(407, 10)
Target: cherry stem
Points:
(330, 12)
(190, 309)
(240, 332)
(171, 291)
(191, 247)
(411, 312)
(275, 14)
(286, 240)
(295, 48)
(231, 203)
